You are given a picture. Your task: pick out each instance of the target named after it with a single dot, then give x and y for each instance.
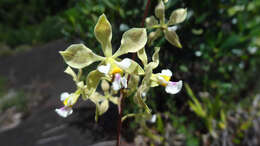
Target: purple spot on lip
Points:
(117, 76)
(172, 83)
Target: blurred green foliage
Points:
(220, 57)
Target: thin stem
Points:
(120, 111)
(145, 12)
(120, 106)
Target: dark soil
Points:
(41, 71)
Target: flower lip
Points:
(173, 87)
(64, 111)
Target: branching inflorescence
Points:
(113, 72)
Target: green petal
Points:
(153, 36)
(172, 38)
(79, 56)
(160, 11)
(69, 71)
(177, 16)
(132, 41)
(155, 58)
(145, 86)
(151, 21)
(103, 107)
(134, 68)
(142, 56)
(93, 80)
(103, 33)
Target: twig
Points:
(120, 108)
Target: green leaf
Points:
(155, 58)
(103, 33)
(79, 56)
(151, 21)
(132, 41)
(160, 11)
(177, 16)
(172, 38)
(142, 56)
(69, 71)
(93, 80)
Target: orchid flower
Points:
(68, 100)
(168, 28)
(163, 79)
(111, 67)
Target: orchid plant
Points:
(120, 77)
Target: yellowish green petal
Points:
(69, 71)
(132, 41)
(153, 36)
(155, 58)
(103, 33)
(93, 79)
(160, 11)
(142, 56)
(151, 21)
(172, 38)
(134, 68)
(177, 16)
(79, 56)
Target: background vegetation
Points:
(219, 61)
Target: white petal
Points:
(153, 119)
(124, 82)
(116, 85)
(64, 111)
(143, 94)
(172, 28)
(166, 72)
(104, 68)
(125, 63)
(173, 87)
(64, 95)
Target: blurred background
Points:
(219, 64)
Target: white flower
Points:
(164, 80)
(64, 111)
(68, 100)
